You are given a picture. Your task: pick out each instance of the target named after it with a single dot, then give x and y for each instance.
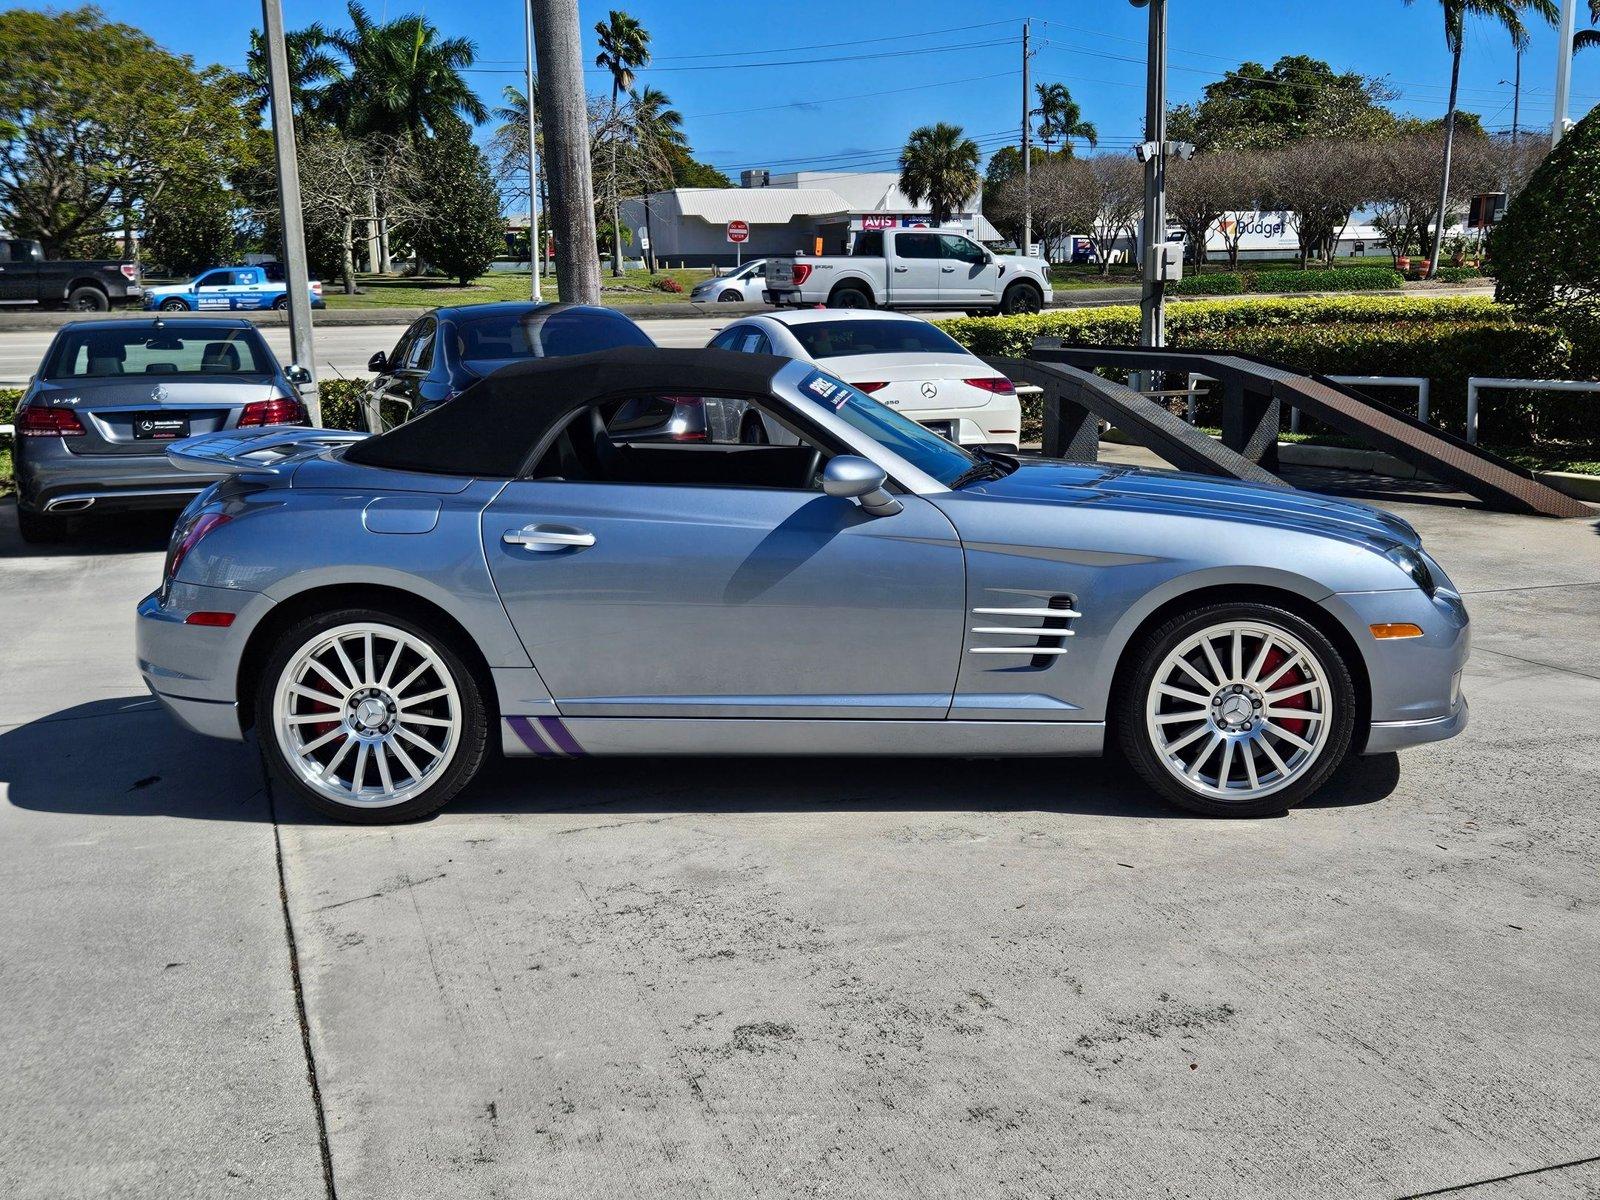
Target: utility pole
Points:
(534, 257)
(1027, 151)
(1152, 298)
(566, 144)
(1516, 100)
(1569, 24)
(296, 277)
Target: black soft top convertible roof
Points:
(489, 430)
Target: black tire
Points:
(849, 297)
(1021, 298)
(88, 299)
(1138, 676)
(476, 718)
(174, 305)
(752, 431)
(730, 297)
(281, 303)
(40, 529)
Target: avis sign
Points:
(738, 232)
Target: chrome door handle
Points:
(545, 538)
(947, 270)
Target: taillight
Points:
(688, 423)
(130, 270)
(280, 410)
(316, 288)
(869, 388)
(39, 421)
(1000, 387)
(802, 272)
(186, 537)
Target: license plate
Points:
(159, 427)
(945, 429)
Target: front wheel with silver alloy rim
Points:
(1236, 710)
(369, 717)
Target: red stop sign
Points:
(738, 231)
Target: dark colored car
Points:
(27, 277)
(447, 350)
(94, 425)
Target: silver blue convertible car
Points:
(534, 568)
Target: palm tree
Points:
(511, 138)
(311, 69)
(939, 163)
(404, 78)
(1060, 118)
(658, 132)
(1585, 38)
(624, 47)
(1507, 13)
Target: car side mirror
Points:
(848, 477)
(378, 363)
(297, 375)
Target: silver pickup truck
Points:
(912, 268)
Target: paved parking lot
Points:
(800, 978)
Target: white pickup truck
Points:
(912, 268)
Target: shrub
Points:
(1222, 284)
(341, 403)
(667, 284)
(1457, 274)
(1444, 338)
(9, 399)
(1345, 279)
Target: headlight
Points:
(1409, 561)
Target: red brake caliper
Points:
(1290, 678)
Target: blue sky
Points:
(832, 114)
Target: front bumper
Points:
(1388, 736)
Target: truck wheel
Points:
(88, 299)
(1021, 298)
(849, 297)
(281, 303)
(174, 305)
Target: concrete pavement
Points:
(813, 977)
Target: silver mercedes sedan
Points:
(514, 571)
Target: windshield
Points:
(490, 341)
(838, 339)
(922, 448)
(181, 348)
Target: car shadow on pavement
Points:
(125, 757)
(121, 533)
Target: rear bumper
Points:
(782, 297)
(57, 481)
(194, 669)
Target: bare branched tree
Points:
(346, 182)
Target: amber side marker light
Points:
(1395, 629)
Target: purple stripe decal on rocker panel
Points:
(530, 736)
(559, 736)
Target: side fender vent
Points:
(1038, 631)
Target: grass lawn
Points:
(400, 291)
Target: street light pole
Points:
(1569, 24)
(1027, 151)
(296, 277)
(1152, 299)
(534, 256)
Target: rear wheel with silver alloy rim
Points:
(369, 717)
(1236, 710)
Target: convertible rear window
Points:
(178, 349)
(837, 339)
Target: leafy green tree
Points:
(97, 121)
(192, 227)
(939, 164)
(461, 232)
(1585, 38)
(1295, 99)
(1061, 120)
(1546, 249)
(624, 47)
(1507, 13)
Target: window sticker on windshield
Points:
(830, 391)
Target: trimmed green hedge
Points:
(341, 403)
(1444, 338)
(1458, 274)
(1341, 279)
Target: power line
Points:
(733, 112)
(965, 48)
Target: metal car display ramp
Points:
(1255, 391)
(1076, 400)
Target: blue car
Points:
(517, 571)
(227, 289)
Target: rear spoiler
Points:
(269, 451)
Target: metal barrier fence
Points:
(1477, 383)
